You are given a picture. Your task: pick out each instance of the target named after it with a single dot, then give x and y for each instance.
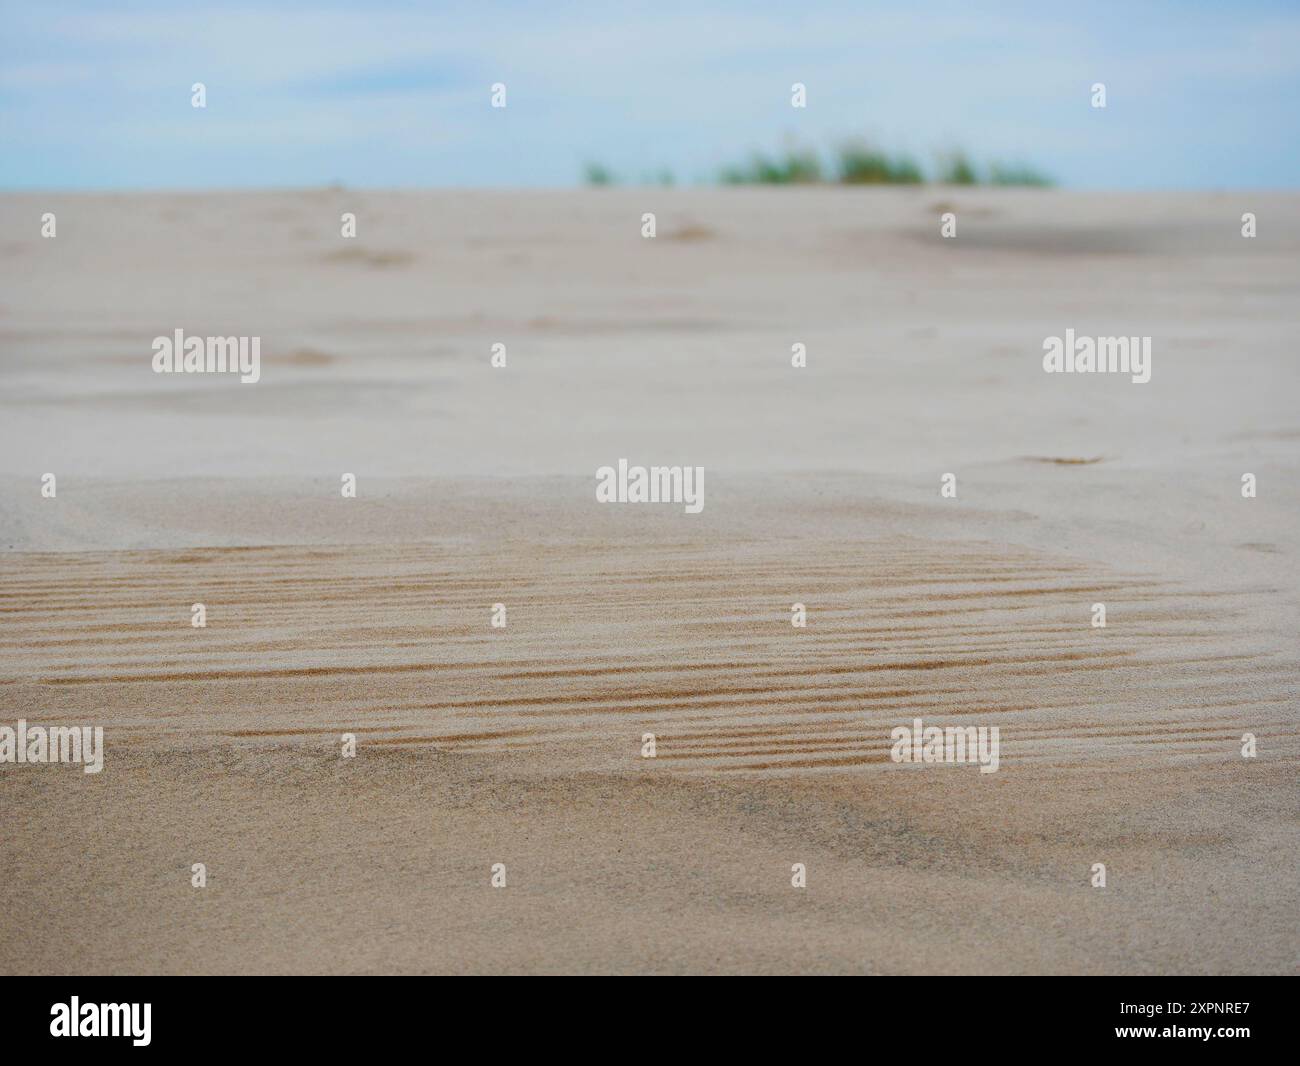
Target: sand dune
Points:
(522, 745)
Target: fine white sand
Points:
(476, 486)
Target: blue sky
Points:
(387, 94)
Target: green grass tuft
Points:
(860, 164)
(956, 169)
(795, 167)
(596, 174)
(856, 163)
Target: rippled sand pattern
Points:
(602, 644)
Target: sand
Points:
(522, 745)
